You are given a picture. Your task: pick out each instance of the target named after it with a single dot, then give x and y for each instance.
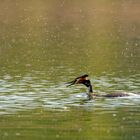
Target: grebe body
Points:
(85, 81)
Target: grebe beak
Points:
(71, 83)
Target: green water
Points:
(44, 44)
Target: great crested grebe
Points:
(85, 81)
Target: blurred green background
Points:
(90, 36)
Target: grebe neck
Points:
(87, 83)
(90, 90)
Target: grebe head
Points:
(82, 80)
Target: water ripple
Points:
(31, 92)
